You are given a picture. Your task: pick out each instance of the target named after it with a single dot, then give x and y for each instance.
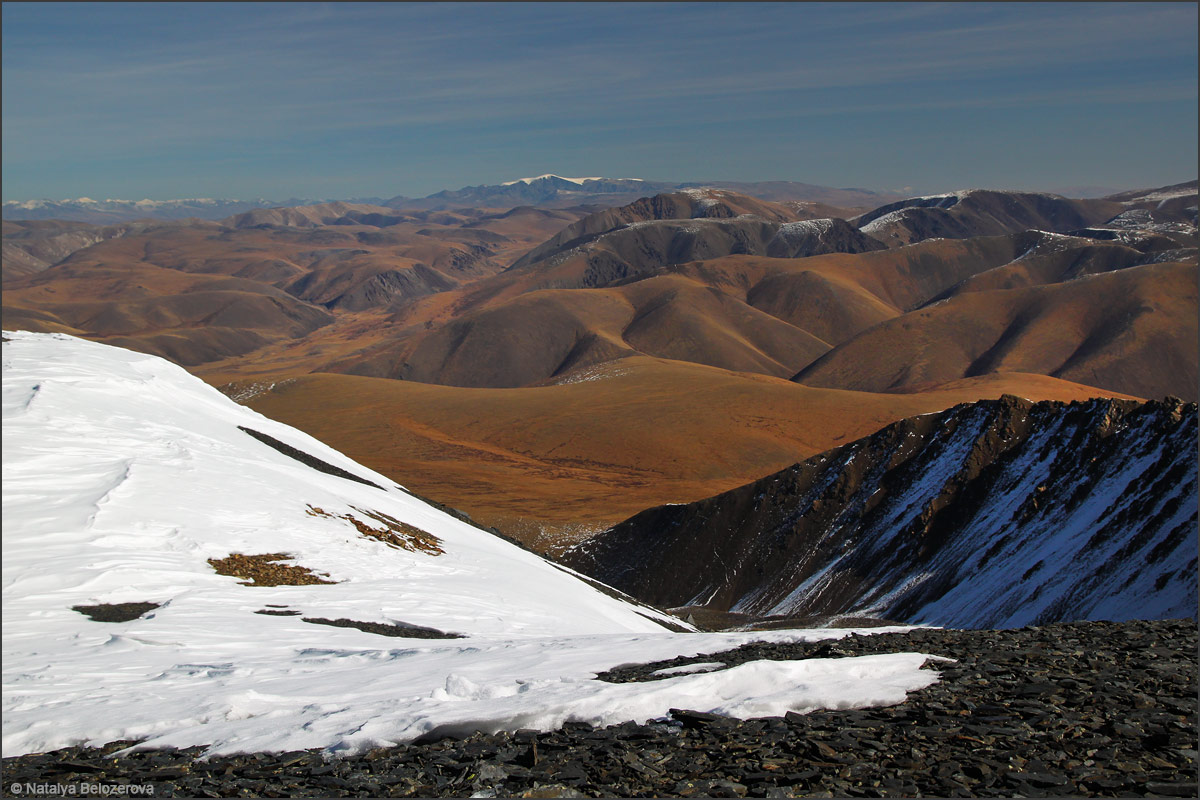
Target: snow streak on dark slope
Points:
(1000, 513)
(980, 212)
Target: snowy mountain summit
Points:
(181, 570)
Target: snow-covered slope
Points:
(154, 477)
(128, 481)
(1000, 513)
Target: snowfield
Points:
(124, 476)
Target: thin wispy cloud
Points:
(96, 83)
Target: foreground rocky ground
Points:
(1081, 709)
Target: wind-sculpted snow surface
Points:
(994, 514)
(131, 486)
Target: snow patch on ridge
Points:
(805, 228)
(879, 225)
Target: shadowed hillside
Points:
(980, 212)
(993, 514)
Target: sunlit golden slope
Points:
(551, 463)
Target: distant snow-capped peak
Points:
(579, 181)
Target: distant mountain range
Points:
(546, 191)
(542, 191)
(555, 191)
(102, 212)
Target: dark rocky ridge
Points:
(992, 514)
(1085, 709)
(641, 250)
(980, 212)
(652, 232)
(660, 207)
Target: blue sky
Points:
(326, 100)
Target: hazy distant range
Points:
(546, 191)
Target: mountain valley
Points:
(583, 400)
(682, 473)
(554, 369)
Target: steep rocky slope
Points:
(993, 514)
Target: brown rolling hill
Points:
(1055, 258)
(1132, 330)
(544, 334)
(750, 313)
(524, 223)
(828, 298)
(197, 291)
(189, 318)
(459, 317)
(32, 246)
(314, 216)
(552, 464)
